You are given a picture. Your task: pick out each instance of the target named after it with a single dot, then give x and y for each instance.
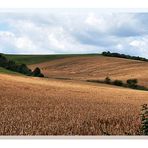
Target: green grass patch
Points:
(6, 71)
(34, 59)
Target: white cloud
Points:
(119, 46)
(138, 43)
(6, 34)
(55, 42)
(94, 21)
(73, 32)
(24, 43)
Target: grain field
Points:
(36, 106)
(96, 67)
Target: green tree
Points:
(144, 119)
(132, 83)
(118, 82)
(37, 72)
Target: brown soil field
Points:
(43, 106)
(96, 67)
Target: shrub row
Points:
(20, 68)
(123, 56)
(130, 83)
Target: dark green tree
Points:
(132, 83)
(37, 72)
(144, 119)
(11, 65)
(118, 82)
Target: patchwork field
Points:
(39, 106)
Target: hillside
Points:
(9, 66)
(3, 70)
(57, 107)
(84, 67)
(33, 59)
(95, 67)
(65, 104)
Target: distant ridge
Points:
(109, 54)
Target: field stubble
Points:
(96, 67)
(34, 106)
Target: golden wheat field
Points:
(96, 67)
(43, 106)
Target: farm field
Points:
(64, 103)
(95, 67)
(73, 72)
(33, 59)
(43, 106)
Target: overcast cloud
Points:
(73, 32)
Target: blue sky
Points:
(73, 31)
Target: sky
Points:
(73, 31)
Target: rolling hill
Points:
(95, 67)
(3, 70)
(65, 104)
(33, 59)
(57, 107)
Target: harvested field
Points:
(96, 67)
(36, 106)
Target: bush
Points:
(24, 69)
(107, 80)
(118, 82)
(37, 72)
(144, 119)
(132, 83)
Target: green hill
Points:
(33, 59)
(6, 71)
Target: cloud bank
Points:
(73, 32)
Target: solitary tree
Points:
(37, 72)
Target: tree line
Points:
(108, 53)
(130, 83)
(20, 68)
